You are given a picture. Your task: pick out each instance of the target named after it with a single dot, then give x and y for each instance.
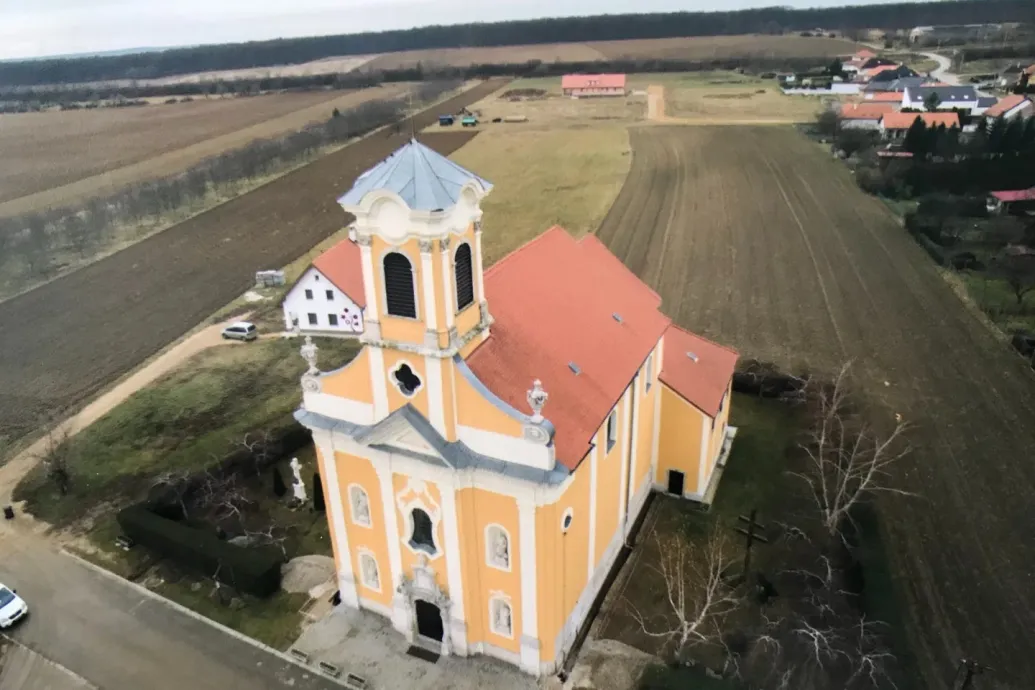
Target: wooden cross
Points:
(751, 537)
(970, 669)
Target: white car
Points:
(12, 608)
(242, 330)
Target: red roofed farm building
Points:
(865, 115)
(895, 125)
(328, 298)
(1012, 200)
(1009, 107)
(487, 453)
(583, 85)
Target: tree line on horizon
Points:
(771, 20)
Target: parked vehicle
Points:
(469, 121)
(242, 330)
(445, 120)
(12, 607)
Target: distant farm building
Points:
(864, 115)
(1011, 201)
(583, 85)
(934, 34)
(1010, 107)
(329, 298)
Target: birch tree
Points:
(697, 595)
(846, 459)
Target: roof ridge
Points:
(707, 340)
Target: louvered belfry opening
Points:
(464, 277)
(399, 286)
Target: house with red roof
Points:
(895, 125)
(491, 447)
(1010, 107)
(1011, 201)
(328, 298)
(865, 115)
(585, 85)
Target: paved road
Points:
(116, 638)
(942, 73)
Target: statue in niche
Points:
(500, 549)
(502, 622)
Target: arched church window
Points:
(405, 380)
(464, 276)
(422, 536)
(501, 617)
(497, 547)
(399, 291)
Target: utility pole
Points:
(967, 669)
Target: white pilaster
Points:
(592, 511)
(346, 576)
(628, 438)
(655, 432)
(370, 292)
(447, 285)
(529, 592)
(392, 536)
(454, 574)
(379, 382)
(703, 465)
(436, 398)
(478, 273)
(428, 280)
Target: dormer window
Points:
(464, 277)
(400, 295)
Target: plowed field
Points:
(65, 340)
(755, 237)
(59, 158)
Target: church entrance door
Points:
(429, 620)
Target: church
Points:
(488, 451)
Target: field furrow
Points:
(775, 251)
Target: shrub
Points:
(255, 570)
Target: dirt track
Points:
(754, 237)
(65, 340)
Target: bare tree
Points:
(58, 457)
(846, 459)
(260, 445)
(699, 597)
(268, 538)
(1017, 271)
(176, 482)
(223, 496)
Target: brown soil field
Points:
(462, 57)
(68, 339)
(58, 158)
(720, 47)
(691, 48)
(755, 237)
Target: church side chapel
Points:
(488, 451)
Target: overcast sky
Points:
(34, 28)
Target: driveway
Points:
(942, 73)
(110, 635)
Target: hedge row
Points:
(255, 570)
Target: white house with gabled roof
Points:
(328, 299)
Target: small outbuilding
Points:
(329, 298)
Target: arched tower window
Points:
(399, 292)
(464, 276)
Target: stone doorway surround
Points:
(423, 587)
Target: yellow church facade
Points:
(486, 454)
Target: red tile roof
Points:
(864, 53)
(342, 265)
(1015, 195)
(866, 110)
(697, 369)
(906, 120)
(1005, 104)
(593, 81)
(554, 302)
(885, 97)
(871, 72)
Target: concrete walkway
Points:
(365, 643)
(23, 669)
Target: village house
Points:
(894, 97)
(949, 98)
(864, 115)
(584, 85)
(895, 125)
(856, 62)
(1011, 201)
(892, 84)
(488, 452)
(1010, 107)
(328, 298)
